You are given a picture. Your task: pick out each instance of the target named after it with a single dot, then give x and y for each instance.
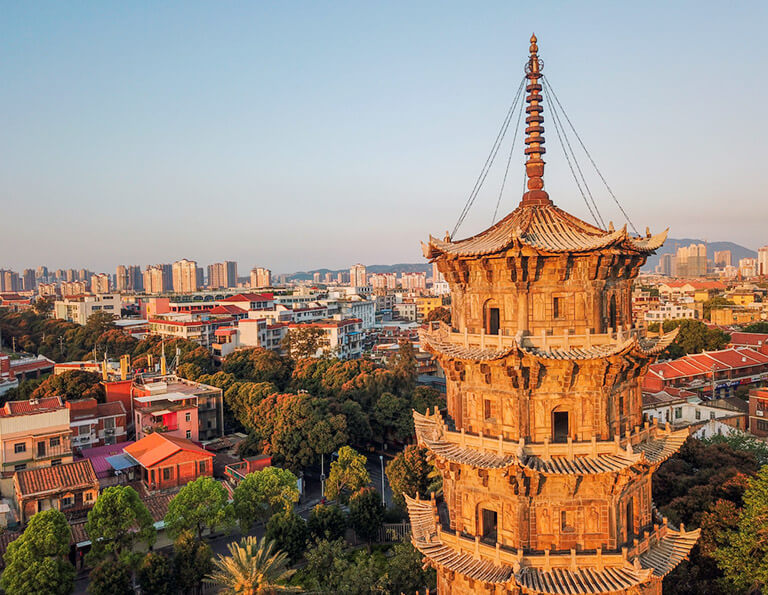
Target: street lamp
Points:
(322, 475)
(383, 502)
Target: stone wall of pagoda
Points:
(515, 397)
(523, 286)
(550, 512)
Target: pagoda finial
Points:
(534, 141)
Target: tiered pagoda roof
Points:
(548, 573)
(651, 446)
(545, 228)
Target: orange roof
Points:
(227, 309)
(249, 297)
(67, 477)
(30, 407)
(158, 447)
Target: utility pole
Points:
(383, 501)
(61, 345)
(13, 342)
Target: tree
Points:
(329, 570)
(192, 562)
(744, 557)
(289, 532)
(757, 327)
(694, 337)
(201, 504)
(424, 398)
(305, 341)
(243, 397)
(117, 522)
(43, 306)
(366, 513)
(327, 522)
(74, 384)
(743, 442)
(295, 429)
(409, 473)
(263, 493)
(393, 418)
(406, 573)
(36, 561)
(440, 314)
(359, 427)
(259, 365)
(348, 474)
(154, 572)
(253, 567)
(111, 577)
(404, 366)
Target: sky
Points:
(299, 135)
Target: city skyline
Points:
(279, 124)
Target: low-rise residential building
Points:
(71, 488)
(756, 341)
(719, 371)
(171, 413)
(33, 434)
(683, 408)
(734, 315)
(405, 310)
(343, 337)
(209, 402)
(250, 301)
(13, 371)
(669, 312)
(169, 461)
(79, 308)
(96, 424)
(200, 328)
(425, 305)
(758, 412)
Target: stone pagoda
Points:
(545, 455)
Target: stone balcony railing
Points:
(483, 340)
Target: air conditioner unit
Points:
(759, 413)
(109, 431)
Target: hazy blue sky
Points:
(296, 135)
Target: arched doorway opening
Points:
(560, 425)
(491, 318)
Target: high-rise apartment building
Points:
(666, 264)
(748, 267)
(762, 261)
(42, 274)
(316, 277)
(222, 274)
(261, 277)
(185, 277)
(71, 275)
(414, 281)
(100, 283)
(121, 278)
(28, 279)
(9, 281)
(357, 276)
(158, 278)
(383, 280)
(722, 259)
(691, 261)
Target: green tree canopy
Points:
(393, 418)
(242, 398)
(744, 556)
(117, 522)
(348, 474)
(201, 504)
(36, 561)
(289, 532)
(74, 384)
(327, 522)
(264, 493)
(409, 473)
(715, 302)
(406, 573)
(757, 327)
(366, 513)
(253, 567)
(192, 562)
(305, 341)
(259, 365)
(154, 575)
(111, 577)
(403, 364)
(694, 337)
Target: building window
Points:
(762, 425)
(556, 307)
(67, 502)
(698, 414)
(566, 521)
(166, 474)
(109, 423)
(201, 466)
(55, 462)
(19, 447)
(20, 467)
(678, 412)
(88, 496)
(188, 417)
(489, 520)
(55, 442)
(189, 434)
(711, 415)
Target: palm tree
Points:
(252, 568)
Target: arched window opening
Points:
(560, 426)
(492, 316)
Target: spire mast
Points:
(534, 141)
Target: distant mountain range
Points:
(404, 267)
(672, 244)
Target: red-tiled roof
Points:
(326, 323)
(228, 309)
(67, 477)
(31, 407)
(753, 339)
(158, 446)
(249, 297)
(700, 364)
